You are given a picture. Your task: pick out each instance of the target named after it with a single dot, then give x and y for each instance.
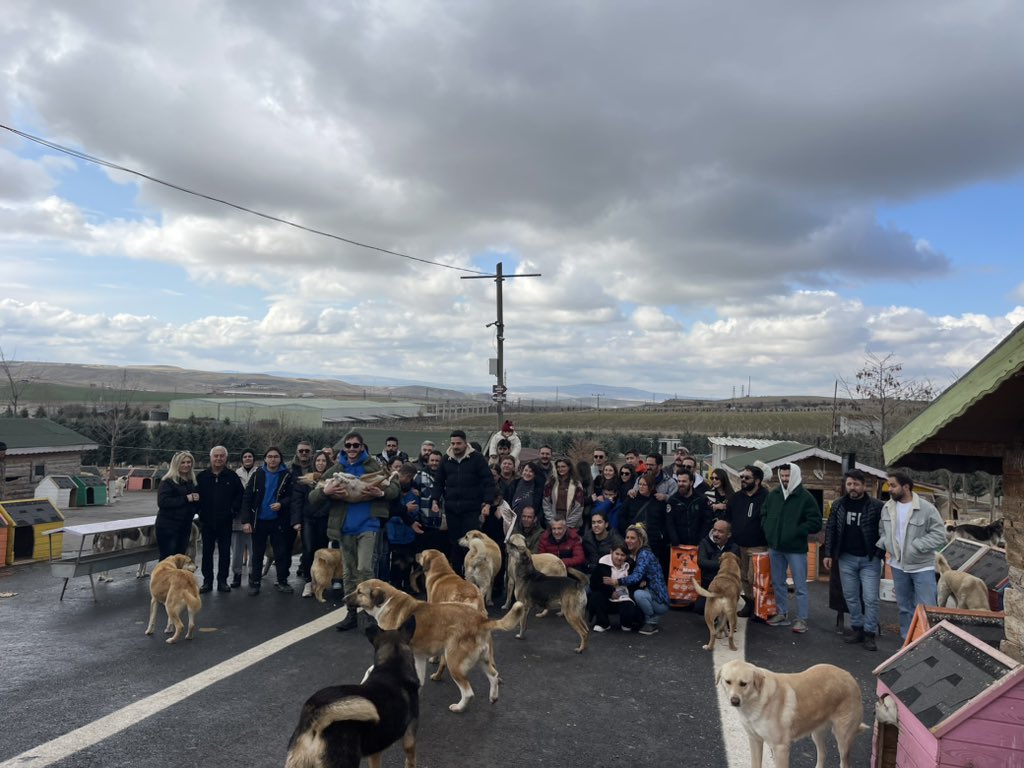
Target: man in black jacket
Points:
(744, 513)
(689, 513)
(851, 536)
(220, 499)
(466, 485)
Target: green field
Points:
(60, 394)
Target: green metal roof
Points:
(37, 435)
(973, 418)
(768, 455)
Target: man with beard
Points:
(851, 538)
(426, 448)
(391, 452)
(544, 463)
(688, 518)
(432, 537)
(744, 514)
(911, 531)
(465, 484)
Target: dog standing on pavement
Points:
(325, 570)
(482, 563)
(173, 583)
(461, 632)
(722, 594)
(340, 724)
(540, 590)
(546, 563)
(968, 591)
(781, 708)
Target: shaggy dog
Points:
(325, 570)
(968, 591)
(483, 562)
(339, 725)
(779, 709)
(173, 584)
(990, 534)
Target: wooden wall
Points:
(1013, 531)
(23, 467)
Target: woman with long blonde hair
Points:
(177, 502)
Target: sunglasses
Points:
(305, 450)
(625, 472)
(598, 455)
(353, 445)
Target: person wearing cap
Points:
(507, 432)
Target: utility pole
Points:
(598, 396)
(499, 390)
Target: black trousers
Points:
(458, 526)
(314, 537)
(172, 536)
(216, 534)
(281, 537)
(601, 607)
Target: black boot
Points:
(349, 622)
(869, 642)
(236, 583)
(254, 588)
(744, 612)
(856, 636)
(841, 623)
(207, 587)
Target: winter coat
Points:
(379, 507)
(925, 535)
(744, 514)
(252, 500)
(465, 483)
(708, 555)
(574, 503)
(646, 510)
(836, 526)
(594, 550)
(687, 519)
(220, 496)
(789, 515)
(569, 550)
(648, 569)
(172, 505)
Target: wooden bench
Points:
(86, 562)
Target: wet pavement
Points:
(231, 696)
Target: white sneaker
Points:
(307, 591)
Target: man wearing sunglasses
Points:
(356, 523)
(744, 513)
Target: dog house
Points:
(949, 699)
(28, 521)
(143, 479)
(91, 490)
(3, 541)
(60, 489)
(987, 626)
(986, 562)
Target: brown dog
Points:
(967, 590)
(779, 709)
(723, 593)
(444, 585)
(326, 568)
(461, 632)
(483, 562)
(173, 584)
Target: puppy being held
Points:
(968, 591)
(173, 584)
(781, 708)
(348, 487)
(341, 724)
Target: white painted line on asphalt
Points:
(63, 746)
(737, 746)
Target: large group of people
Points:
(617, 523)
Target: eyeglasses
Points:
(353, 445)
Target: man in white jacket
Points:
(912, 532)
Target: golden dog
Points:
(173, 584)
(723, 593)
(968, 591)
(444, 585)
(326, 568)
(780, 709)
(483, 562)
(461, 632)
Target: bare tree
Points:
(115, 419)
(884, 397)
(18, 377)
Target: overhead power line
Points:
(114, 166)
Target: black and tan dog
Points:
(538, 590)
(341, 724)
(991, 534)
(461, 632)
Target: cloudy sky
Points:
(711, 191)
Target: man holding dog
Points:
(911, 531)
(220, 500)
(851, 538)
(466, 485)
(355, 523)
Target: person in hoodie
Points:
(241, 542)
(466, 485)
(743, 511)
(356, 523)
(266, 515)
(789, 515)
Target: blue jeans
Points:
(651, 607)
(797, 563)
(912, 590)
(860, 577)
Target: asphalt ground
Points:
(81, 685)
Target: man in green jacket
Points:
(789, 515)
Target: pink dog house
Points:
(955, 700)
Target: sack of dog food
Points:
(682, 571)
(764, 593)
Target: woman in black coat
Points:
(177, 502)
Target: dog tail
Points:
(941, 564)
(306, 749)
(701, 591)
(510, 620)
(581, 577)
